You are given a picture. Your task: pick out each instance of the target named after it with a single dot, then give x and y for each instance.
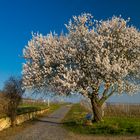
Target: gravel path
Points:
(47, 128)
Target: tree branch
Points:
(105, 96)
(111, 93)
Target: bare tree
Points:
(13, 92)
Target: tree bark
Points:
(97, 111)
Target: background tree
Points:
(13, 93)
(95, 58)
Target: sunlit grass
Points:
(27, 108)
(75, 120)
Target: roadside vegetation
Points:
(28, 107)
(112, 124)
(13, 93)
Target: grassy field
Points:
(112, 125)
(27, 107)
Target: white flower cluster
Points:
(93, 53)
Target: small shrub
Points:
(13, 93)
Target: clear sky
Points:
(18, 18)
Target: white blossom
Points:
(93, 53)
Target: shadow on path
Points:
(50, 122)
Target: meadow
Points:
(119, 119)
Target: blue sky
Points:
(18, 18)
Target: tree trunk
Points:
(13, 118)
(97, 111)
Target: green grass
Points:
(27, 108)
(75, 120)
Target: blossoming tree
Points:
(95, 58)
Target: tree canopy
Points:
(92, 53)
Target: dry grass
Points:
(127, 110)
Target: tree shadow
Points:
(53, 117)
(49, 122)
